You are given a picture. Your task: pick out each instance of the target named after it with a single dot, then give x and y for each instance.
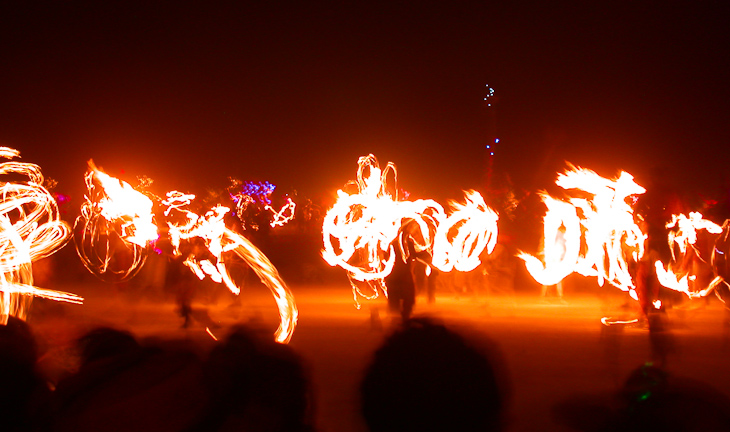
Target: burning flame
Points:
(30, 229)
(683, 235)
(284, 215)
(610, 233)
(361, 227)
(561, 228)
(116, 223)
(258, 195)
(464, 234)
(117, 206)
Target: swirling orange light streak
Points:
(115, 220)
(222, 244)
(360, 229)
(607, 221)
(30, 229)
(284, 215)
(561, 246)
(464, 234)
(684, 236)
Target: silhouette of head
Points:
(426, 378)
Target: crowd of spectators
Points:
(423, 377)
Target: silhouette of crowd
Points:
(423, 377)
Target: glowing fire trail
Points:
(464, 234)
(222, 245)
(221, 242)
(610, 231)
(361, 227)
(684, 236)
(562, 225)
(114, 228)
(30, 229)
(284, 215)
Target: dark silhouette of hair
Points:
(652, 399)
(123, 385)
(256, 384)
(427, 378)
(23, 392)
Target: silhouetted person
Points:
(427, 378)
(122, 385)
(650, 400)
(655, 400)
(401, 286)
(256, 385)
(23, 392)
(653, 210)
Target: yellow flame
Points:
(361, 227)
(561, 231)
(683, 235)
(607, 223)
(475, 226)
(115, 219)
(119, 205)
(30, 229)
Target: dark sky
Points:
(294, 92)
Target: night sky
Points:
(294, 92)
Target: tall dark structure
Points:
(490, 104)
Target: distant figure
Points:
(426, 378)
(183, 282)
(558, 292)
(653, 210)
(400, 282)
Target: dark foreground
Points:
(560, 366)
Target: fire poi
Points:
(118, 221)
(30, 229)
(593, 236)
(681, 273)
(361, 227)
(257, 195)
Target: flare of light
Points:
(245, 194)
(561, 231)
(113, 209)
(30, 229)
(361, 227)
(284, 215)
(610, 233)
(114, 228)
(464, 234)
(210, 333)
(683, 235)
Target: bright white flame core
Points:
(359, 230)
(606, 220)
(117, 200)
(684, 236)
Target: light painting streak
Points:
(361, 227)
(114, 228)
(30, 229)
(607, 227)
(284, 215)
(116, 208)
(683, 235)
